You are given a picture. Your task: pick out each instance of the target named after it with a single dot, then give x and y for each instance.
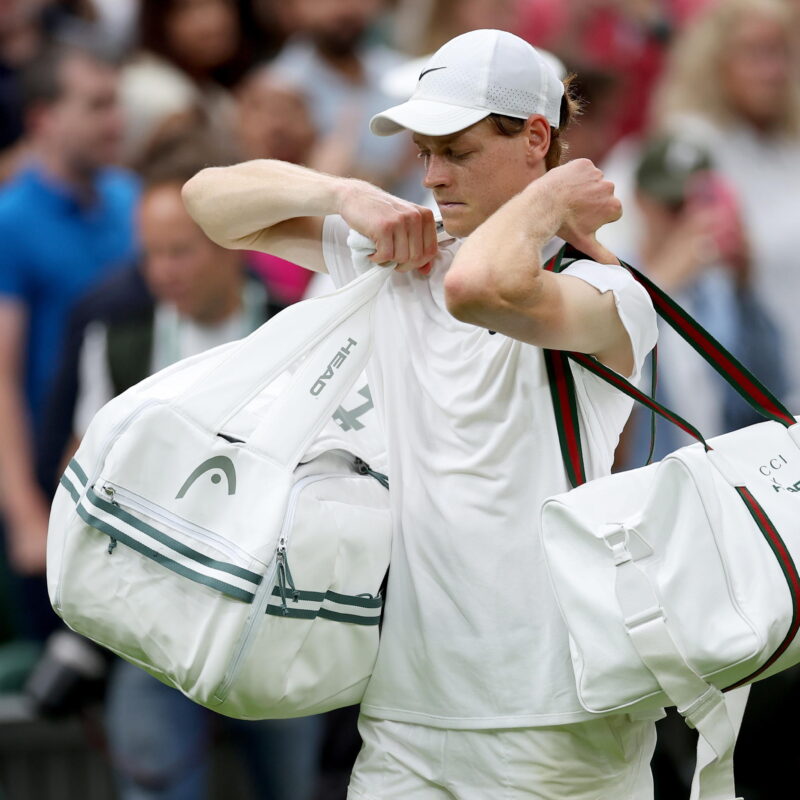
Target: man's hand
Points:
(585, 202)
(403, 232)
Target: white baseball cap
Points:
(476, 74)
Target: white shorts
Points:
(603, 759)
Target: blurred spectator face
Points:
(202, 34)
(273, 120)
(85, 122)
(473, 15)
(182, 267)
(336, 26)
(757, 68)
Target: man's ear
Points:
(537, 131)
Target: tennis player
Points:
(473, 693)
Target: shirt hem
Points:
(478, 723)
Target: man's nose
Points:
(437, 173)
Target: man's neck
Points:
(348, 65)
(80, 182)
(223, 309)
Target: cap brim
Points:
(428, 117)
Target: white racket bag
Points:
(221, 526)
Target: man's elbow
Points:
(199, 195)
(464, 296)
(195, 191)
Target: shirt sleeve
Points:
(13, 284)
(633, 304)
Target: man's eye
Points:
(461, 156)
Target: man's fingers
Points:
(429, 243)
(384, 244)
(401, 245)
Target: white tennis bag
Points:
(679, 581)
(217, 528)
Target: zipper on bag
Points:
(264, 591)
(140, 505)
(280, 573)
(116, 432)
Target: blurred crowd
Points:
(692, 108)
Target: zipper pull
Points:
(111, 545)
(362, 468)
(110, 494)
(285, 579)
(281, 556)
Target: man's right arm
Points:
(278, 208)
(25, 507)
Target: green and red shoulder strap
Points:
(562, 384)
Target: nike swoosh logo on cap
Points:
(425, 72)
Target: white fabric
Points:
(174, 527)
(472, 637)
(595, 760)
(473, 75)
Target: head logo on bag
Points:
(222, 463)
(334, 364)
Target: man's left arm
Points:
(496, 280)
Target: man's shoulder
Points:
(15, 195)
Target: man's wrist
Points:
(343, 189)
(544, 210)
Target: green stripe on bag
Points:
(104, 527)
(73, 492)
(76, 468)
(173, 544)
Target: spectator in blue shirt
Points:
(66, 220)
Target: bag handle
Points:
(718, 357)
(326, 323)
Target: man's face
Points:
(182, 267)
(273, 121)
(473, 172)
(85, 123)
(337, 25)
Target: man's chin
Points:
(459, 225)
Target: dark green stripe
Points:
(76, 468)
(98, 524)
(326, 613)
(335, 616)
(65, 482)
(564, 424)
(302, 594)
(173, 544)
(292, 613)
(359, 601)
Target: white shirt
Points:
(472, 637)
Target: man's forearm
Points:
(234, 203)
(498, 264)
(17, 476)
